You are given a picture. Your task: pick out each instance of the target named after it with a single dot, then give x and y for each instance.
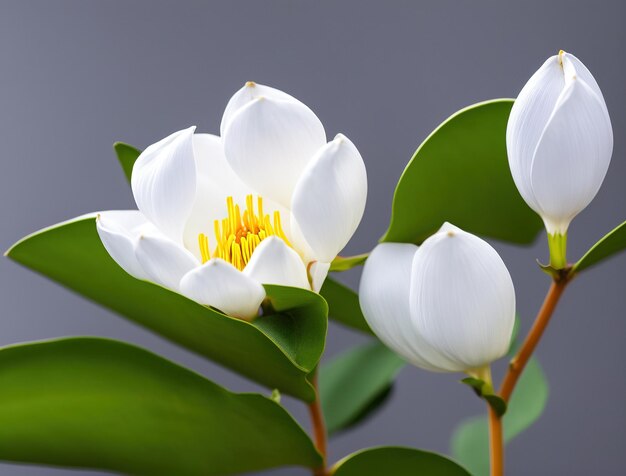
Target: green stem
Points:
(557, 243)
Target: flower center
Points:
(239, 234)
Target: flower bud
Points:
(446, 306)
(559, 141)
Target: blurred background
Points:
(75, 76)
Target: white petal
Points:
(384, 296)
(574, 67)
(462, 298)
(247, 93)
(318, 272)
(298, 241)
(273, 262)
(118, 231)
(268, 143)
(329, 200)
(164, 183)
(219, 284)
(164, 261)
(572, 156)
(529, 115)
(215, 181)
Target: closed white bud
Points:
(559, 141)
(446, 306)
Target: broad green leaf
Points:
(355, 383)
(460, 174)
(104, 404)
(612, 243)
(278, 350)
(127, 155)
(344, 263)
(470, 441)
(343, 305)
(397, 461)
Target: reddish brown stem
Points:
(319, 428)
(496, 443)
(516, 367)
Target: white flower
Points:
(559, 140)
(446, 306)
(268, 202)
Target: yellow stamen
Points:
(203, 241)
(239, 233)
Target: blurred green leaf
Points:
(612, 243)
(460, 174)
(99, 403)
(355, 383)
(396, 461)
(127, 155)
(277, 350)
(514, 334)
(343, 305)
(344, 263)
(470, 441)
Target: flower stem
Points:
(496, 443)
(518, 363)
(516, 367)
(558, 250)
(319, 428)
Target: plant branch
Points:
(319, 428)
(518, 363)
(516, 367)
(496, 443)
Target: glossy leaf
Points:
(278, 350)
(460, 174)
(470, 441)
(356, 383)
(397, 461)
(612, 243)
(343, 305)
(127, 155)
(98, 403)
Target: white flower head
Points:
(559, 140)
(446, 306)
(268, 202)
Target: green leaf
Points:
(485, 391)
(513, 344)
(127, 155)
(344, 263)
(397, 461)
(612, 243)
(343, 305)
(470, 441)
(278, 350)
(355, 383)
(99, 403)
(461, 174)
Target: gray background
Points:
(77, 75)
